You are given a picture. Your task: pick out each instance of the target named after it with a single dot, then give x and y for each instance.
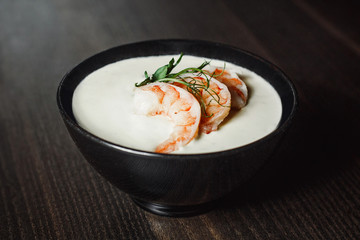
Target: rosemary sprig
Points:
(163, 74)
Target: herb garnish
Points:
(163, 74)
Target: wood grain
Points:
(48, 191)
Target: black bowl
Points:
(172, 184)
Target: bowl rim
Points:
(72, 122)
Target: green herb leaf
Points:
(160, 73)
(170, 66)
(204, 64)
(171, 63)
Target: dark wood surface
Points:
(47, 189)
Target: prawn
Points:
(237, 87)
(215, 97)
(180, 106)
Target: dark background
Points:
(47, 189)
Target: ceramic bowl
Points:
(172, 184)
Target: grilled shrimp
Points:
(216, 99)
(180, 106)
(237, 87)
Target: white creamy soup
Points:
(103, 105)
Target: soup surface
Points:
(103, 105)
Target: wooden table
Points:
(48, 190)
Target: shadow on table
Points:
(320, 145)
